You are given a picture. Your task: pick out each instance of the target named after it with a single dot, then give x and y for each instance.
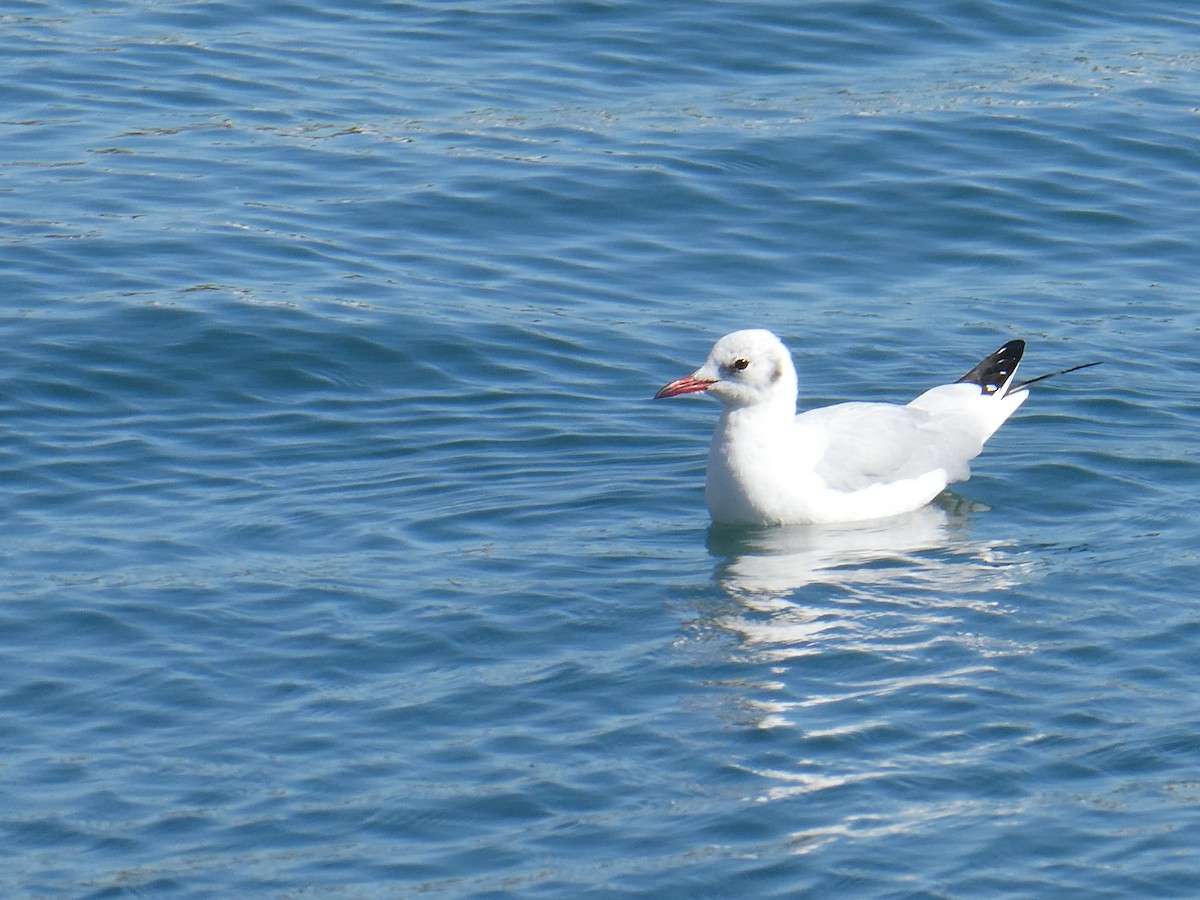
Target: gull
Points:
(844, 463)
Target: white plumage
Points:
(844, 463)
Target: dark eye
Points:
(740, 363)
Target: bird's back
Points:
(878, 443)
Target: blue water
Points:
(346, 556)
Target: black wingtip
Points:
(996, 371)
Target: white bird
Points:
(844, 463)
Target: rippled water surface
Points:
(346, 556)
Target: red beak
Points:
(689, 385)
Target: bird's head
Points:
(745, 368)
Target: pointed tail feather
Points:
(1025, 384)
(994, 374)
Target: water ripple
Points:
(346, 553)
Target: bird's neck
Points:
(771, 414)
(763, 427)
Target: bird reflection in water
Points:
(884, 588)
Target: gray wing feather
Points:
(872, 443)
